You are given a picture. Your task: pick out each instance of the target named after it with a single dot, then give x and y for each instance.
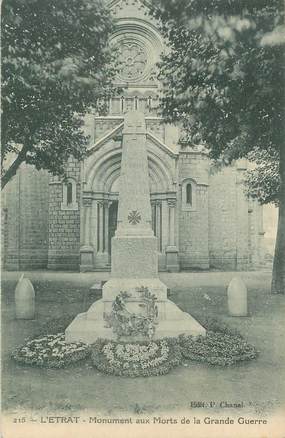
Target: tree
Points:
(223, 80)
(262, 181)
(56, 66)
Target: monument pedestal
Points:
(172, 321)
(134, 257)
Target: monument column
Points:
(134, 247)
(86, 249)
(172, 263)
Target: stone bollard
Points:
(24, 299)
(237, 297)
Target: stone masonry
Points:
(64, 225)
(25, 227)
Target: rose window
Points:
(132, 60)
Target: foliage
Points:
(223, 77)
(56, 67)
(51, 351)
(217, 348)
(125, 323)
(139, 359)
(56, 325)
(217, 326)
(223, 82)
(263, 180)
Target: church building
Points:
(200, 216)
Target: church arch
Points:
(98, 163)
(100, 176)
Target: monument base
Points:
(172, 321)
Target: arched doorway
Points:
(100, 221)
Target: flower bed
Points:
(217, 348)
(51, 351)
(221, 346)
(149, 358)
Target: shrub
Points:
(56, 325)
(217, 348)
(51, 351)
(214, 325)
(144, 358)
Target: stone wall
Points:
(26, 217)
(193, 222)
(4, 234)
(256, 241)
(64, 224)
(228, 220)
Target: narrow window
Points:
(189, 194)
(136, 103)
(122, 104)
(69, 193)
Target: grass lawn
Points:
(258, 384)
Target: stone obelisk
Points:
(134, 250)
(134, 246)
